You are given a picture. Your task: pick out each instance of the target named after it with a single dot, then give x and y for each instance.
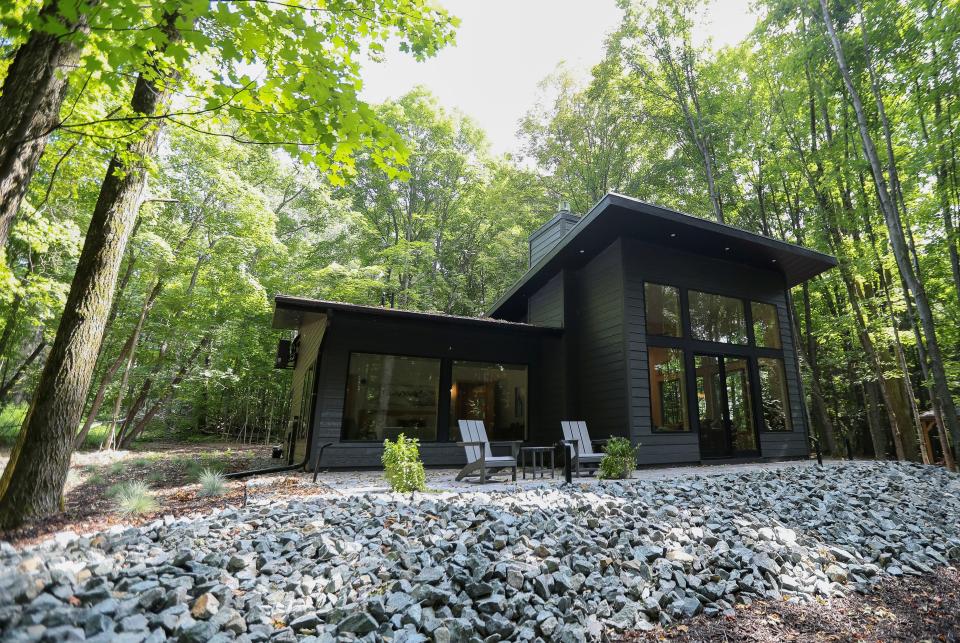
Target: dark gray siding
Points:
(598, 365)
(348, 333)
(544, 239)
(551, 405)
(545, 307)
(647, 262)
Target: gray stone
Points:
(199, 632)
(358, 623)
(134, 623)
(308, 621)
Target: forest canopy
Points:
(831, 125)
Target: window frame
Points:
(691, 346)
(346, 383)
(684, 328)
(747, 318)
(449, 385)
(752, 328)
(686, 390)
(787, 407)
(443, 397)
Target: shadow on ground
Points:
(907, 609)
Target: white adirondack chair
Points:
(480, 458)
(575, 432)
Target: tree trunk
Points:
(891, 217)
(878, 436)
(126, 356)
(9, 384)
(127, 426)
(32, 483)
(30, 101)
(134, 433)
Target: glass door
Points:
(711, 415)
(743, 434)
(724, 406)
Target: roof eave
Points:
(614, 199)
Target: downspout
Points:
(313, 412)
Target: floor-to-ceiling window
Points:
(391, 394)
(492, 392)
(774, 395)
(668, 389)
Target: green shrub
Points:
(402, 465)
(212, 483)
(619, 460)
(134, 498)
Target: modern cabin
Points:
(647, 323)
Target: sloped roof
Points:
(616, 215)
(289, 310)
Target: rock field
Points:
(545, 563)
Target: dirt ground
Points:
(914, 608)
(171, 472)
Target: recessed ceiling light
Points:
(773, 261)
(673, 234)
(726, 248)
(581, 252)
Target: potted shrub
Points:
(402, 466)
(619, 460)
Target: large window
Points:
(766, 325)
(715, 318)
(663, 310)
(391, 394)
(773, 394)
(494, 393)
(668, 399)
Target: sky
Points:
(505, 48)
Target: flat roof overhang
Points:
(289, 312)
(616, 216)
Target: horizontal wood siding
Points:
(549, 390)
(543, 240)
(545, 307)
(311, 335)
(348, 333)
(599, 366)
(648, 262)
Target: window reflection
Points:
(773, 394)
(668, 400)
(739, 405)
(494, 393)
(710, 404)
(391, 394)
(766, 325)
(715, 318)
(663, 310)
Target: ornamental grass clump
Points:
(212, 483)
(619, 460)
(134, 499)
(402, 466)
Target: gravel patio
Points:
(538, 561)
